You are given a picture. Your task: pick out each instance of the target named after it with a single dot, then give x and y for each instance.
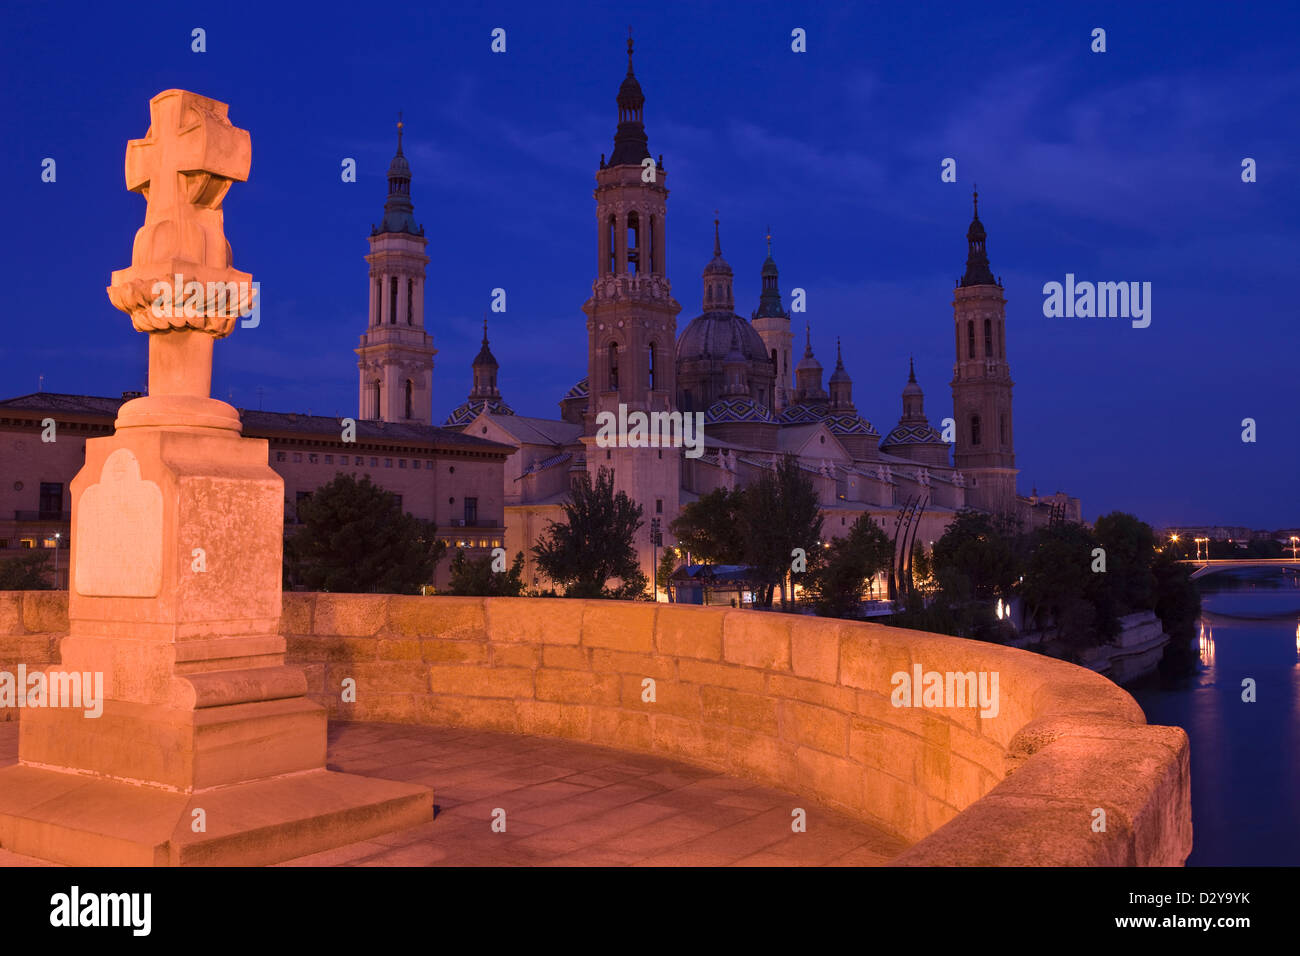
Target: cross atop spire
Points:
(485, 340)
(717, 241)
(769, 242)
(911, 370)
(629, 50)
(399, 132)
(976, 198)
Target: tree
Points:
(476, 577)
(1130, 547)
(975, 559)
(594, 542)
(1060, 586)
(28, 572)
(356, 538)
(707, 528)
(667, 565)
(780, 513)
(843, 568)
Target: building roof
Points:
(710, 336)
(726, 410)
(261, 423)
(538, 431)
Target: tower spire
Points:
(630, 145)
(399, 132)
(807, 328)
(717, 241)
(977, 257)
(911, 370)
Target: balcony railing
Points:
(42, 515)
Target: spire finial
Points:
(769, 242)
(629, 50)
(399, 132)
(911, 370)
(485, 341)
(976, 197)
(839, 359)
(717, 240)
(807, 327)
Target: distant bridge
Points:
(1207, 567)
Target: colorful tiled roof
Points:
(466, 412)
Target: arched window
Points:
(633, 243)
(392, 301)
(988, 339)
(410, 303)
(613, 247)
(379, 399)
(775, 367)
(708, 293)
(379, 302)
(650, 363)
(613, 365)
(650, 247)
(970, 339)
(408, 398)
(974, 429)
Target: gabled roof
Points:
(537, 431)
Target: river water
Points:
(1245, 756)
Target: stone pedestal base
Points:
(88, 821)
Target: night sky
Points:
(1122, 166)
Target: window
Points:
(392, 301)
(329, 459)
(410, 304)
(650, 363)
(312, 459)
(388, 463)
(613, 366)
(398, 498)
(471, 512)
(379, 302)
(401, 463)
(280, 456)
(775, 367)
(609, 238)
(608, 454)
(374, 462)
(974, 429)
(27, 543)
(633, 243)
(51, 501)
(988, 339)
(358, 460)
(650, 247)
(428, 465)
(970, 339)
(379, 399)
(659, 506)
(297, 457)
(408, 398)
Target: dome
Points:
(399, 168)
(726, 410)
(710, 336)
(466, 412)
(718, 267)
(850, 424)
(913, 435)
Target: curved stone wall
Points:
(801, 703)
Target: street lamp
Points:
(1293, 541)
(57, 536)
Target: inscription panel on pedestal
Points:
(118, 537)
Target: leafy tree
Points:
(975, 559)
(841, 572)
(1060, 586)
(476, 577)
(780, 513)
(667, 565)
(28, 572)
(594, 542)
(1130, 550)
(707, 528)
(356, 538)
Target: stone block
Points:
(689, 632)
(755, 639)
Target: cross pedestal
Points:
(175, 596)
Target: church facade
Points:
(737, 372)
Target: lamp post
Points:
(656, 539)
(1293, 542)
(57, 536)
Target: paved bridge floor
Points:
(570, 804)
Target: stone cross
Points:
(180, 286)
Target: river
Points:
(1245, 756)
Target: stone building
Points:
(737, 372)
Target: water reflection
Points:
(1207, 645)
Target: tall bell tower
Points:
(395, 358)
(981, 386)
(632, 315)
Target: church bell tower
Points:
(395, 358)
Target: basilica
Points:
(759, 397)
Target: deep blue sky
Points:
(1115, 166)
